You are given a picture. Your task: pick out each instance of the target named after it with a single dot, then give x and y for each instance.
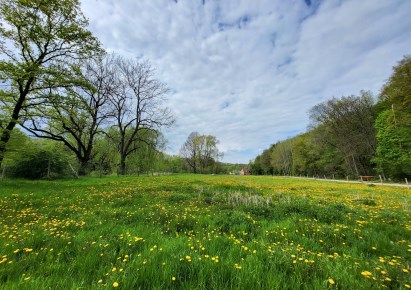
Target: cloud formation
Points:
(246, 71)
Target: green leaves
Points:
(39, 41)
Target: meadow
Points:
(203, 232)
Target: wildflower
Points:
(366, 273)
(331, 281)
(115, 284)
(100, 281)
(114, 269)
(173, 278)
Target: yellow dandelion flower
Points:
(331, 281)
(115, 284)
(366, 273)
(173, 278)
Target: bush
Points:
(38, 163)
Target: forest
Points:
(351, 136)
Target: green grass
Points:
(208, 232)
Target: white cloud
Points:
(248, 71)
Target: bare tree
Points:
(137, 106)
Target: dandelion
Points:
(100, 281)
(366, 274)
(331, 281)
(115, 284)
(173, 278)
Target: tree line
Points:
(351, 136)
(58, 84)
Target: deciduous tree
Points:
(38, 40)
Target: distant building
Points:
(244, 171)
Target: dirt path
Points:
(353, 181)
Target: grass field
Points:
(203, 232)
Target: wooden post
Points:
(380, 178)
(406, 181)
(333, 176)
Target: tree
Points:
(74, 115)
(137, 105)
(393, 123)
(200, 152)
(38, 39)
(190, 151)
(282, 157)
(348, 125)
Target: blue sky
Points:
(248, 71)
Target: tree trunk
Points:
(122, 166)
(6, 134)
(83, 166)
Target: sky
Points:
(248, 71)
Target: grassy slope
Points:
(208, 232)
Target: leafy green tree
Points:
(200, 152)
(38, 40)
(348, 125)
(393, 123)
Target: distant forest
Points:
(351, 136)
